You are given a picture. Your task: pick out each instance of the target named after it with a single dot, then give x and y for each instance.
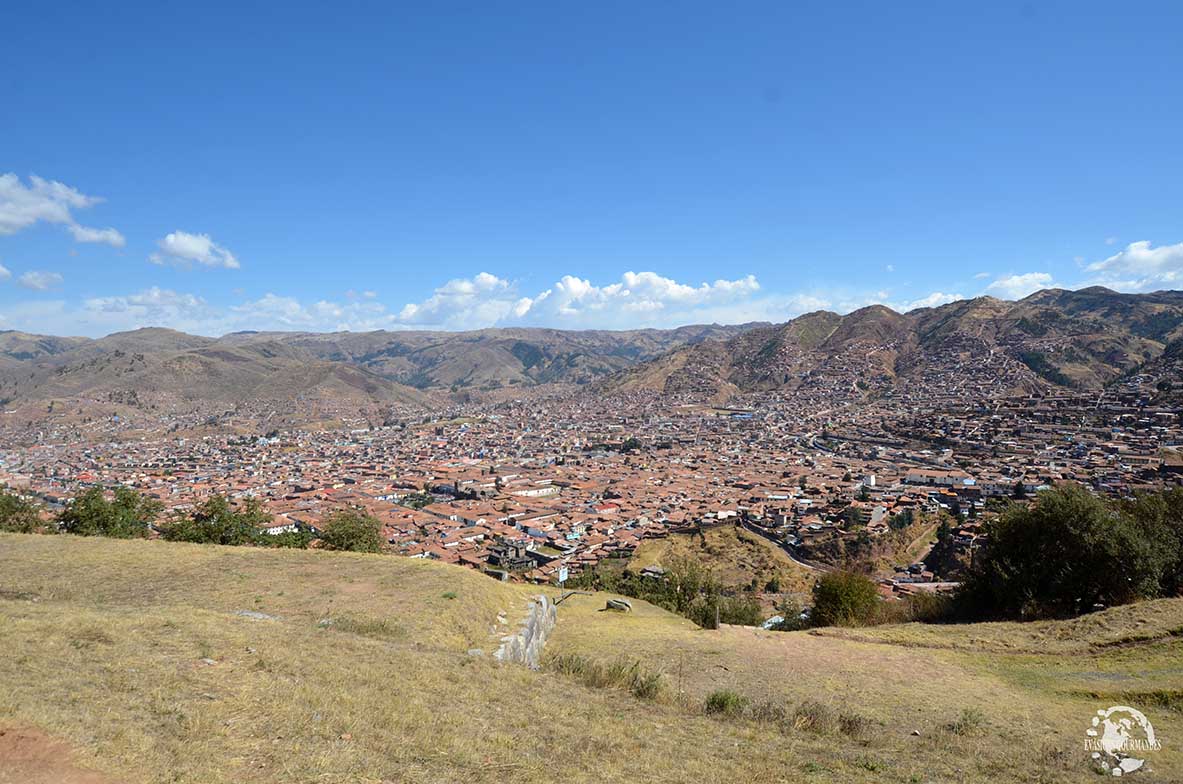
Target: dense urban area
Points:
(544, 487)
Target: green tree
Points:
(844, 599)
(128, 515)
(944, 531)
(17, 515)
(1159, 518)
(1060, 556)
(1019, 492)
(217, 521)
(631, 443)
(288, 539)
(901, 520)
(352, 530)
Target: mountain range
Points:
(1081, 340)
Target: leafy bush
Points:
(1066, 553)
(217, 522)
(688, 588)
(725, 702)
(127, 516)
(352, 530)
(17, 515)
(844, 599)
(1159, 518)
(295, 539)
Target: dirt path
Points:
(30, 756)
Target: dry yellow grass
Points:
(735, 556)
(133, 653)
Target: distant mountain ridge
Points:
(1054, 338)
(980, 347)
(166, 370)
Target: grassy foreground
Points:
(136, 655)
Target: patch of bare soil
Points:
(29, 756)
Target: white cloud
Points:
(464, 303)
(933, 300)
(105, 236)
(40, 281)
(981, 276)
(891, 268)
(1140, 267)
(4, 273)
(638, 299)
(635, 300)
(1019, 286)
(151, 307)
(1111, 240)
(48, 201)
(182, 249)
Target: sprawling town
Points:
(543, 487)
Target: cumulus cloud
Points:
(273, 311)
(1019, 286)
(464, 303)
(634, 300)
(48, 201)
(40, 281)
(151, 307)
(1141, 266)
(182, 249)
(637, 299)
(105, 236)
(933, 300)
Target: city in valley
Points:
(542, 483)
(628, 393)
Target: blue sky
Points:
(446, 165)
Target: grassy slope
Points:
(735, 555)
(110, 654)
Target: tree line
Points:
(128, 514)
(1065, 553)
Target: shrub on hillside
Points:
(1064, 554)
(216, 521)
(292, 539)
(725, 702)
(688, 588)
(844, 599)
(1159, 518)
(352, 530)
(128, 515)
(17, 515)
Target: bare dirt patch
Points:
(29, 756)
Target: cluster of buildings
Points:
(545, 487)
